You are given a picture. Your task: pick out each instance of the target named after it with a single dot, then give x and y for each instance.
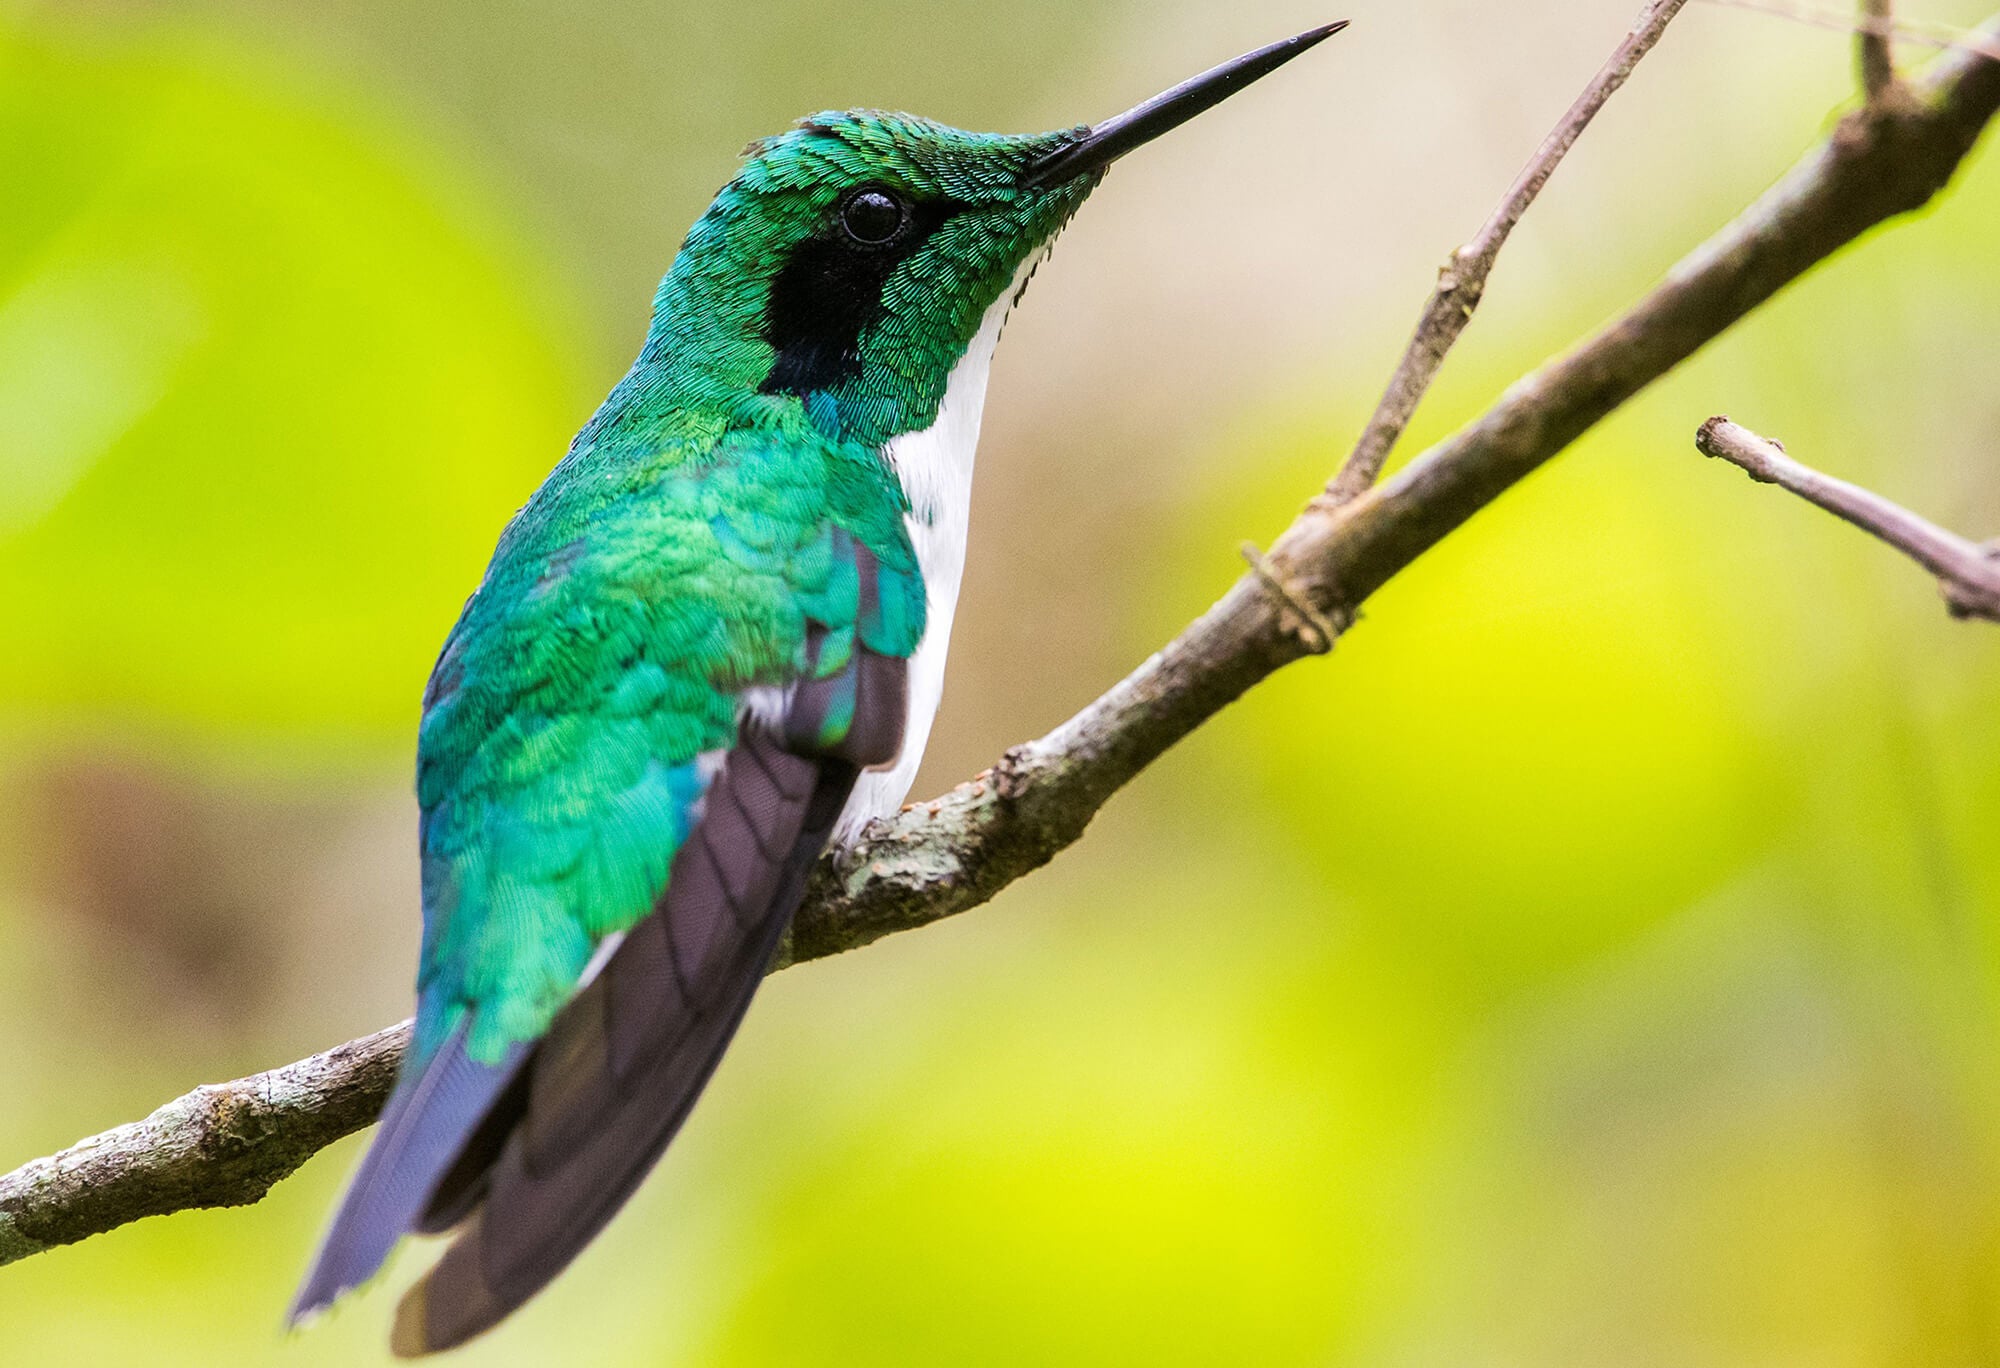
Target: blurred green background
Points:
(1596, 961)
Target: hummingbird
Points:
(712, 642)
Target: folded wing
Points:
(634, 744)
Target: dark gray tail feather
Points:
(609, 1086)
(422, 1130)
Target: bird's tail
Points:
(607, 1088)
(423, 1128)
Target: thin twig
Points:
(957, 852)
(1968, 573)
(1922, 32)
(1462, 282)
(1872, 54)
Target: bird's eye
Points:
(873, 217)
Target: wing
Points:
(633, 747)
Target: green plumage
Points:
(628, 607)
(676, 557)
(688, 651)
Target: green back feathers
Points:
(607, 652)
(700, 540)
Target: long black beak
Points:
(1112, 139)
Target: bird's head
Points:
(840, 277)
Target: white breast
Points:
(935, 467)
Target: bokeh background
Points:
(1596, 961)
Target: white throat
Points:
(935, 468)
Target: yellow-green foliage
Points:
(269, 384)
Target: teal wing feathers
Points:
(563, 743)
(591, 692)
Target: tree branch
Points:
(1462, 282)
(1925, 33)
(1968, 573)
(1873, 55)
(225, 1145)
(220, 1145)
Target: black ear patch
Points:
(829, 293)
